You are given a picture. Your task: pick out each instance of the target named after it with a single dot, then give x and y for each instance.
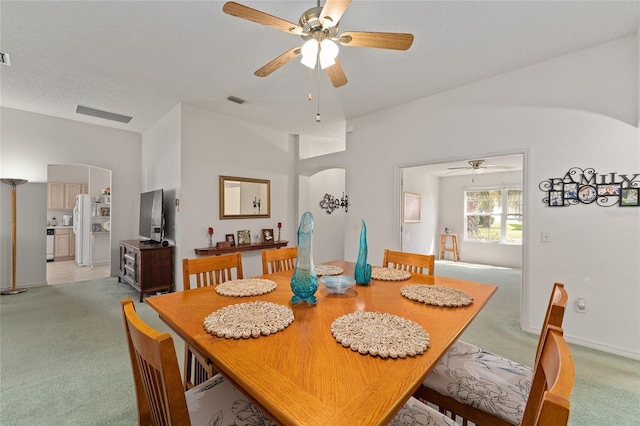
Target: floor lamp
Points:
(13, 183)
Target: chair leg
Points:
(188, 384)
(197, 367)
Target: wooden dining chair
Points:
(211, 270)
(206, 271)
(160, 396)
(410, 262)
(503, 377)
(283, 259)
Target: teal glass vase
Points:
(304, 281)
(362, 272)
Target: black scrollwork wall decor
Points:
(330, 203)
(585, 186)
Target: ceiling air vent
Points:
(103, 114)
(4, 59)
(236, 99)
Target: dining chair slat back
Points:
(208, 271)
(553, 380)
(211, 270)
(160, 396)
(410, 262)
(156, 375)
(283, 259)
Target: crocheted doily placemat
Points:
(250, 319)
(378, 334)
(388, 274)
(245, 287)
(436, 295)
(328, 270)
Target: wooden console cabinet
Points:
(147, 267)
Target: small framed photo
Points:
(96, 227)
(609, 189)
(244, 237)
(570, 191)
(629, 197)
(230, 238)
(411, 207)
(556, 198)
(105, 211)
(587, 194)
(267, 236)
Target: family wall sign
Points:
(580, 186)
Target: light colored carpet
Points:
(64, 360)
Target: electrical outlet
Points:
(546, 236)
(581, 305)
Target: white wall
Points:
(577, 110)
(214, 145)
(32, 141)
(328, 229)
(422, 237)
(452, 216)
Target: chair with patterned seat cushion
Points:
(410, 262)
(483, 387)
(283, 259)
(160, 395)
(205, 271)
(416, 413)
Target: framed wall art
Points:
(629, 197)
(411, 207)
(267, 235)
(244, 237)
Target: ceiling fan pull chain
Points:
(318, 80)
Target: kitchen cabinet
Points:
(63, 245)
(55, 195)
(62, 196)
(70, 192)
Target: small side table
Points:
(454, 246)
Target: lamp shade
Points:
(310, 53)
(328, 52)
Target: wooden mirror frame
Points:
(260, 212)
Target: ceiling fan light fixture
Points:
(328, 52)
(310, 53)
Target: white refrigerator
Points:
(82, 228)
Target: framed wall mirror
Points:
(244, 198)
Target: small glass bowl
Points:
(338, 284)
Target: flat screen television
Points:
(152, 216)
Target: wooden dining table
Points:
(301, 375)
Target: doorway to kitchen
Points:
(78, 223)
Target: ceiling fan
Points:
(477, 166)
(319, 26)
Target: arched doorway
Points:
(78, 223)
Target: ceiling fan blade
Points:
(332, 12)
(337, 75)
(245, 12)
(278, 62)
(396, 41)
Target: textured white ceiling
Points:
(141, 58)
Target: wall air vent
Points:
(4, 59)
(236, 99)
(103, 114)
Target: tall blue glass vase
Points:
(304, 281)
(362, 270)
